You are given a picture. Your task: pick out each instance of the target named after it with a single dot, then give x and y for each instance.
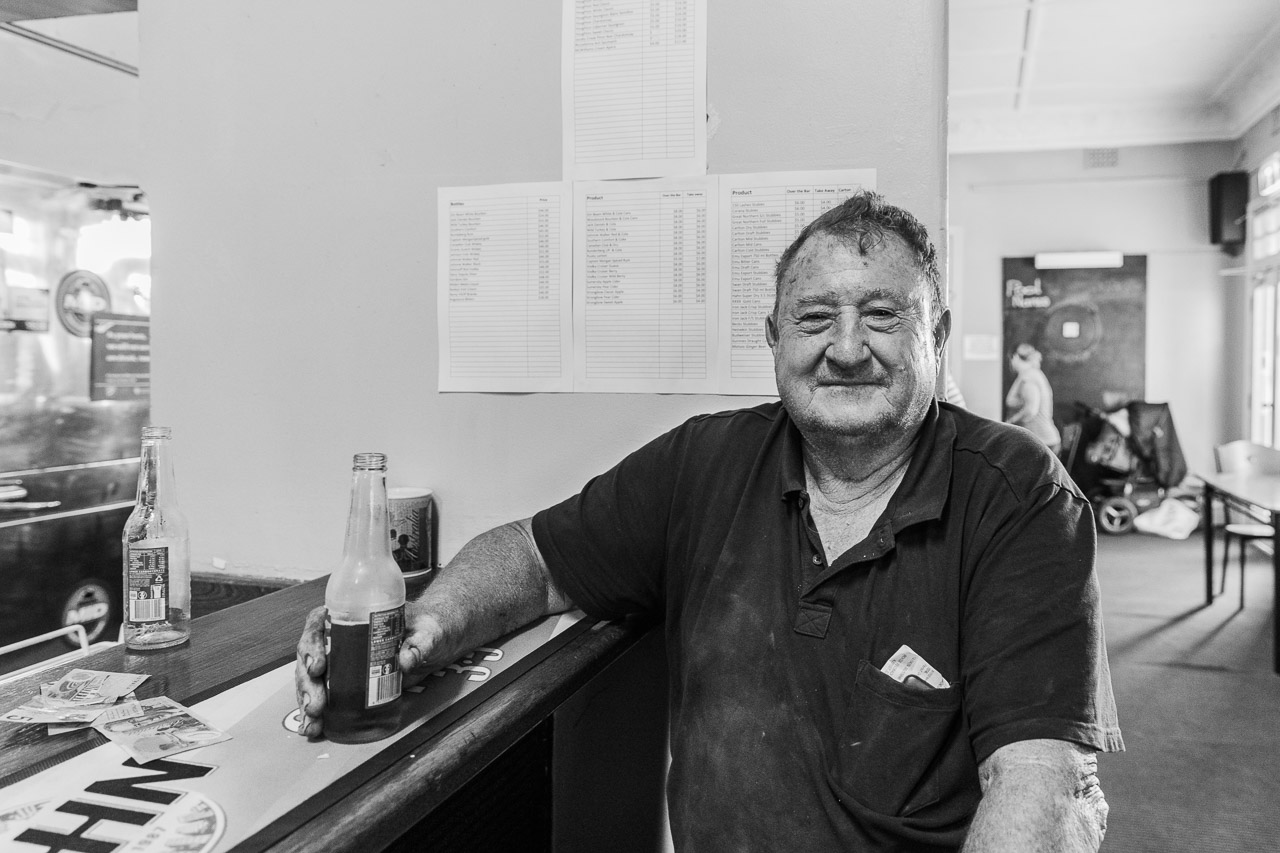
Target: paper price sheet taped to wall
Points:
(247, 793)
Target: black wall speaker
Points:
(1228, 198)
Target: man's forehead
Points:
(824, 259)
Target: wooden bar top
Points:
(246, 640)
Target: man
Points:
(794, 548)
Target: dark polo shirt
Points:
(785, 734)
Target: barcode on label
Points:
(382, 689)
(146, 609)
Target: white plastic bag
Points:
(1172, 519)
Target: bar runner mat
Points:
(247, 793)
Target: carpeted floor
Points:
(1199, 703)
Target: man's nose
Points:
(848, 344)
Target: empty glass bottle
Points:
(365, 620)
(157, 563)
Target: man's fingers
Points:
(311, 644)
(421, 647)
(308, 674)
(412, 653)
(310, 727)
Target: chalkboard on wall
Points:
(1090, 326)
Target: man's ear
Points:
(770, 331)
(942, 332)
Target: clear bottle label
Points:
(148, 584)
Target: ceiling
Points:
(1038, 74)
(1024, 74)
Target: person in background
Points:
(1029, 403)
(881, 613)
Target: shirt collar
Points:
(923, 492)
(791, 472)
(920, 496)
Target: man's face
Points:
(854, 350)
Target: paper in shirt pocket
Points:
(908, 668)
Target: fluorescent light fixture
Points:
(1079, 260)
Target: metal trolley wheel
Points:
(1116, 515)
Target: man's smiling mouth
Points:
(847, 383)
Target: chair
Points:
(1243, 525)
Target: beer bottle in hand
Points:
(365, 620)
(157, 567)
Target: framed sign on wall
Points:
(1090, 326)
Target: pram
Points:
(1138, 442)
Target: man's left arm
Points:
(1039, 795)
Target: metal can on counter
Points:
(413, 531)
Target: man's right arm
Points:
(497, 583)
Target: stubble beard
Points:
(823, 426)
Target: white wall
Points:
(292, 155)
(1154, 203)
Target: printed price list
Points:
(503, 289)
(646, 309)
(635, 88)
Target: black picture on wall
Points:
(1090, 326)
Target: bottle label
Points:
(147, 584)
(366, 651)
(385, 629)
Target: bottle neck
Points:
(155, 473)
(367, 523)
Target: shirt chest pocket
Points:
(902, 749)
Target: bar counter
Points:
(236, 644)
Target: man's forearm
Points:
(497, 583)
(1039, 796)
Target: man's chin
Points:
(848, 419)
(853, 412)
(851, 401)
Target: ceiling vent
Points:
(1101, 158)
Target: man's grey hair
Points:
(862, 222)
